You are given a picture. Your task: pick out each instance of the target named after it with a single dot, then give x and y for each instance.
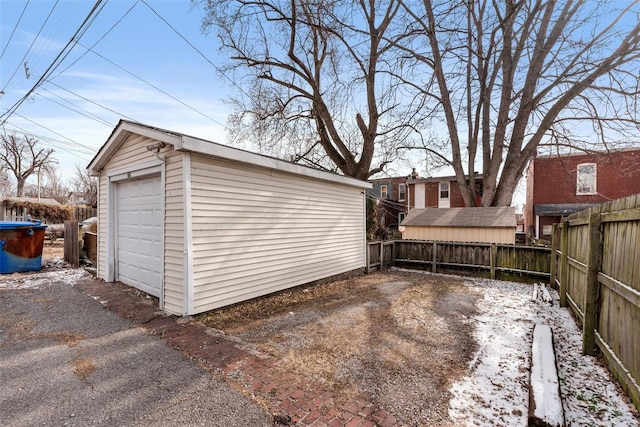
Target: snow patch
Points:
(42, 279)
(544, 378)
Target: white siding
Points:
(257, 231)
(174, 235)
(461, 234)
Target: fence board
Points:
(611, 305)
(526, 261)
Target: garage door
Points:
(139, 234)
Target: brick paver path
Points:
(291, 399)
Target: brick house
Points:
(438, 192)
(558, 186)
(390, 195)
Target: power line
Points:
(153, 86)
(30, 46)
(60, 145)
(85, 114)
(56, 133)
(58, 59)
(218, 69)
(100, 39)
(14, 29)
(92, 102)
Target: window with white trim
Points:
(586, 179)
(383, 192)
(401, 216)
(402, 192)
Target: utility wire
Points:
(14, 29)
(218, 69)
(56, 133)
(92, 102)
(100, 39)
(56, 62)
(153, 86)
(60, 145)
(85, 114)
(30, 47)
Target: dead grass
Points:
(398, 340)
(83, 367)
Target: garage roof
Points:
(183, 142)
(462, 217)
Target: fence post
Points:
(554, 257)
(434, 254)
(71, 243)
(368, 257)
(564, 262)
(493, 255)
(381, 255)
(591, 297)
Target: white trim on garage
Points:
(188, 236)
(147, 169)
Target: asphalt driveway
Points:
(66, 360)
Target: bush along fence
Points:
(18, 211)
(596, 265)
(492, 260)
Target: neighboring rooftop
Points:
(503, 216)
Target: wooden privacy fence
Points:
(493, 259)
(596, 265)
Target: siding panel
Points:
(257, 231)
(173, 235)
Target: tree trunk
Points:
(20, 187)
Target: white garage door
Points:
(139, 234)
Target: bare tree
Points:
(318, 80)
(22, 157)
(82, 182)
(50, 183)
(507, 78)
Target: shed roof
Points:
(495, 217)
(183, 142)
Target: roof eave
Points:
(121, 132)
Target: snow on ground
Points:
(34, 280)
(496, 392)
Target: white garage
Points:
(201, 225)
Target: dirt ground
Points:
(398, 339)
(52, 250)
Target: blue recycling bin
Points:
(21, 246)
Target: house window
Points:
(383, 191)
(444, 190)
(402, 192)
(401, 216)
(586, 179)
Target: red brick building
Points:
(558, 186)
(439, 192)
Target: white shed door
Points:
(139, 234)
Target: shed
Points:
(202, 225)
(478, 225)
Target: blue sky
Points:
(94, 92)
(141, 43)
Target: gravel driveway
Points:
(65, 360)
